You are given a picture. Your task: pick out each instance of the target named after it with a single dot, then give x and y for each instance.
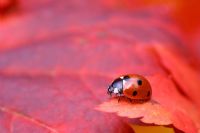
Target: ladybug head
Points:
(116, 87)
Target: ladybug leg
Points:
(130, 100)
(118, 99)
(119, 95)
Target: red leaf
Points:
(183, 111)
(149, 112)
(186, 77)
(57, 59)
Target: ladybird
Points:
(132, 86)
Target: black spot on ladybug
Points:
(134, 93)
(139, 82)
(126, 77)
(148, 94)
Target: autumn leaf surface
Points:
(57, 59)
(149, 112)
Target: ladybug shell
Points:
(137, 87)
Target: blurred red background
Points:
(57, 58)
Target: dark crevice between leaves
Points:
(137, 121)
(167, 71)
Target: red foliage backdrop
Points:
(58, 57)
